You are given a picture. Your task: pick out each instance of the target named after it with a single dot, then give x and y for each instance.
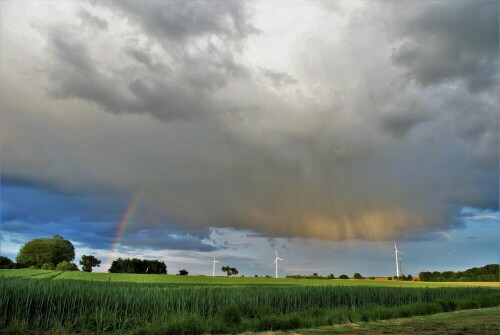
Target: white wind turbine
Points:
(213, 268)
(398, 259)
(276, 262)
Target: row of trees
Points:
(357, 275)
(490, 272)
(136, 265)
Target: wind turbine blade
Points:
(280, 258)
(275, 261)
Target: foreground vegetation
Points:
(44, 301)
(478, 321)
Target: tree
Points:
(40, 251)
(425, 276)
(5, 263)
(343, 277)
(183, 272)
(156, 267)
(66, 266)
(88, 262)
(357, 275)
(229, 270)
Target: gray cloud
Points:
(355, 150)
(278, 79)
(181, 20)
(92, 20)
(449, 41)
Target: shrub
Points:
(343, 277)
(66, 266)
(48, 266)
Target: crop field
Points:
(74, 302)
(208, 280)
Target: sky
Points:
(324, 130)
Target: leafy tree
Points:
(229, 270)
(389, 278)
(156, 267)
(425, 276)
(343, 277)
(331, 276)
(5, 263)
(183, 272)
(40, 251)
(357, 275)
(88, 262)
(66, 266)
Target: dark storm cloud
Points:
(448, 41)
(92, 221)
(75, 75)
(170, 239)
(181, 20)
(401, 112)
(176, 89)
(351, 149)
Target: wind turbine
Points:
(213, 268)
(398, 259)
(276, 262)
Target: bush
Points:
(357, 275)
(66, 266)
(48, 266)
(343, 277)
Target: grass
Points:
(208, 280)
(39, 301)
(480, 321)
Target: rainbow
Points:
(127, 216)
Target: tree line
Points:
(490, 272)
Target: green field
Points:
(40, 301)
(208, 280)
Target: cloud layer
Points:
(377, 122)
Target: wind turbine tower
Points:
(213, 268)
(398, 259)
(276, 262)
